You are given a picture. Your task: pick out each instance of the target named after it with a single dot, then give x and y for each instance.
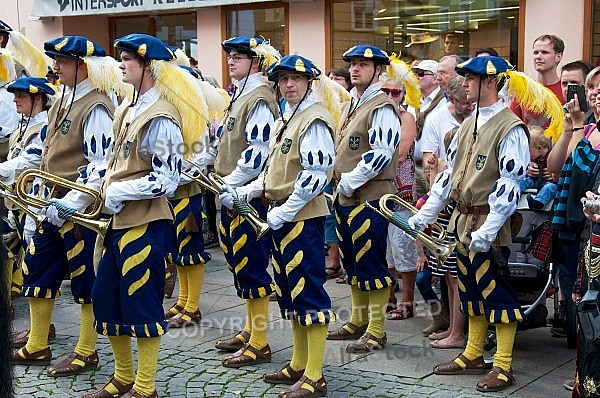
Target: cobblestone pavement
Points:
(190, 366)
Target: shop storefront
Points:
(323, 29)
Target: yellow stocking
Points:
(248, 325)
(505, 335)
(147, 361)
(478, 325)
(300, 349)
(360, 306)
(40, 314)
(183, 276)
(259, 308)
(124, 371)
(378, 300)
(317, 334)
(87, 334)
(195, 280)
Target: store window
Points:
(427, 28)
(268, 23)
(174, 29)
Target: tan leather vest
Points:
(128, 163)
(233, 137)
(63, 154)
(284, 164)
(352, 142)
(476, 169)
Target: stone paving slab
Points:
(190, 366)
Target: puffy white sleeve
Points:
(166, 164)
(384, 137)
(258, 132)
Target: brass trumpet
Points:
(216, 185)
(89, 219)
(9, 193)
(438, 248)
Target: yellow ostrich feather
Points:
(181, 58)
(400, 72)
(537, 98)
(267, 54)
(105, 75)
(216, 99)
(7, 67)
(331, 95)
(27, 54)
(180, 88)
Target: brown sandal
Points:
(171, 311)
(235, 343)
(298, 391)
(333, 272)
(41, 357)
(68, 366)
(497, 380)
(20, 339)
(286, 375)
(103, 393)
(367, 343)
(348, 331)
(461, 365)
(134, 394)
(239, 359)
(402, 311)
(186, 319)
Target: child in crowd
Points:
(539, 149)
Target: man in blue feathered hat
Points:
(75, 148)
(365, 167)
(487, 158)
(243, 147)
(151, 130)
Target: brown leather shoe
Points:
(103, 393)
(286, 375)
(68, 367)
(461, 365)
(174, 310)
(297, 391)
(186, 319)
(41, 357)
(349, 331)
(170, 273)
(134, 394)
(367, 343)
(235, 343)
(239, 359)
(498, 379)
(19, 340)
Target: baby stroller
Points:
(532, 279)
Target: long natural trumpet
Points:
(216, 185)
(9, 193)
(438, 248)
(89, 219)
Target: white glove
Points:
(12, 223)
(276, 218)
(344, 186)
(480, 242)
(416, 221)
(5, 172)
(51, 211)
(227, 197)
(27, 234)
(111, 205)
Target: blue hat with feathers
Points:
(73, 47)
(487, 65)
(242, 44)
(4, 27)
(295, 64)
(145, 46)
(372, 53)
(33, 85)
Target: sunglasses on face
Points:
(394, 92)
(422, 73)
